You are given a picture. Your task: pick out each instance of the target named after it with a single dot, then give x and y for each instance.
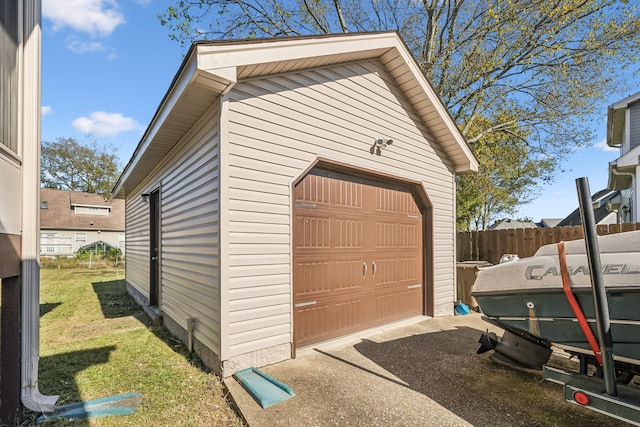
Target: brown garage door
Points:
(357, 256)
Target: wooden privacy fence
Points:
(524, 242)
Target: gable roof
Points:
(212, 68)
(600, 210)
(59, 213)
(549, 222)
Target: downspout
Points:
(633, 187)
(30, 136)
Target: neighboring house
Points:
(508, 223)
(20, 47)
(623, 131)
(549, 222)
(70, 220)
(603, 212)
(293, 190)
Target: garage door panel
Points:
(409, 236)
(320, 322)
(348, 316)
(312, 277)
(313, 324)
(347, 233)
(313, 189)
(349, 274)
(385, 270)
(409, 270)
(395, 202)
(363, 240)
(315, 277)
(398, 305)
(312, 231)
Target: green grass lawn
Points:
(95, 342)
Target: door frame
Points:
(154, 248)
(416, 188)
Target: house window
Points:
(47, 236)
(44, 204)
(9, 42)
(91, 210)
(81, 239)
(48, 243)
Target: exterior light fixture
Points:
(145, 197)
(380, 144)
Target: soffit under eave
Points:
(196, 98)
(615, 126)
(622, 180)
(405, 71)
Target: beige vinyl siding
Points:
(189, 218)
(634, 125)
(11, 178)
(188, 180)
(137, 243)
(277, 127)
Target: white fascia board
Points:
(218, 56)
(630, 158)
(471, 164)
(187, 75)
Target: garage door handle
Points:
(364, 269)
(304, 304)
(374, 269)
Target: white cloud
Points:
(602, 145)
(112, 54)
(45, 110)
(94, 17)
(81, 47)
(102, 123)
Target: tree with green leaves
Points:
(516, 75)
(68, 164)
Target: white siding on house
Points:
(277, 127)
(634, 125)
(137, 243)
(189, 221)
(190, 274)
(68, 242)
(11, 178)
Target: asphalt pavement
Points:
(419, 372)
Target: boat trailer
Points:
(605, 392)
(599, 393)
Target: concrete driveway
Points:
(421, 372)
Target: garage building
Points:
(289, 191)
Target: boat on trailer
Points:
(581, 296)
(527, 297)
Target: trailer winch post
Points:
(603, 321)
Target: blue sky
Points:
(105, 67)
(107, 64)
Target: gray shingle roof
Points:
(59, 212)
